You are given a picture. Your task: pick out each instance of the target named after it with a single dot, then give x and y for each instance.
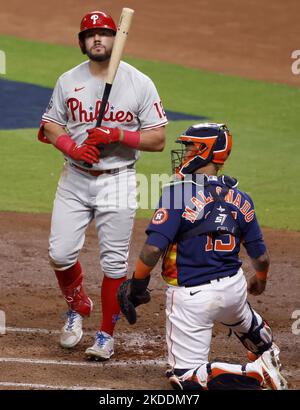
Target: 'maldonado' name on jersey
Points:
(204, 257)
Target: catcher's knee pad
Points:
(259, 337)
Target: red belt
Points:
(96, 173)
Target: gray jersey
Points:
(134, 104)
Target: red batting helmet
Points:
(96, 19)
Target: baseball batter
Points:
(134, 121)
(199, 226)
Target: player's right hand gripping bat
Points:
(117, 51)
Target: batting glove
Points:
(87, 153)
(103, 135)
(106, 135)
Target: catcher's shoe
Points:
(178, 383)
(270, 368)
(103, 347)
(71, 333)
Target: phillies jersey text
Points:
(134, 104)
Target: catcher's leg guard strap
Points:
(259, 337)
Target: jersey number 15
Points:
(226, 244)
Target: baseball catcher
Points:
(200, 223)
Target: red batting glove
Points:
(103, 135)
(87, 153)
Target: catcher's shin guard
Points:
(223, 376)
(259, 337)
(217, 376)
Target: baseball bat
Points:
(117, 51)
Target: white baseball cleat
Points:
(71, 333)
(103, 347)
(270, 367)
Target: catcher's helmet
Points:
(96, 19)
(211, 143)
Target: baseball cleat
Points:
(103, 347)
(71, 333)
(173, 380)
(270, 367)
(182, 383)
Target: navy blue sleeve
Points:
(252, 235)
(256, 248)
(158, 240)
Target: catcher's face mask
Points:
(201, 144)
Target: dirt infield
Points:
(253, 41)
(249, 38)
(29, 352)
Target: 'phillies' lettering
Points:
(78, 113)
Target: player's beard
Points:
(98, 57)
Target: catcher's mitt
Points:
(132, 293)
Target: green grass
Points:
(29, 173)
(262, 117)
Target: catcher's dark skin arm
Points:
(257, 282)
(149, 257)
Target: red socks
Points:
(70, 283)
(110, 304)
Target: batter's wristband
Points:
(130, 138)
(64, 143)
(262, 275)
(142, 270)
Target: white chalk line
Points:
(110, 363)
(49, 386)
(30, 361)
(37, 331)
(160, 362)
(129, 337)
